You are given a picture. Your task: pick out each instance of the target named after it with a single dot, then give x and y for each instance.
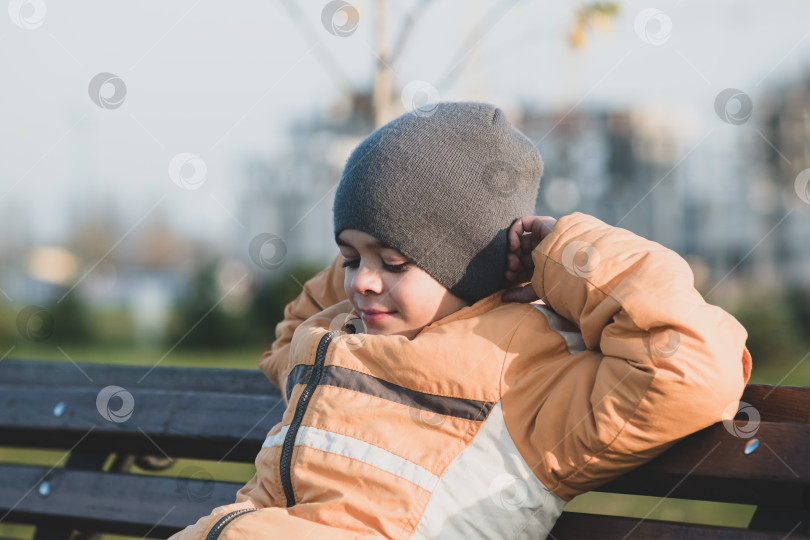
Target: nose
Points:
(367, 280)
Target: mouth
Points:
(375, 315)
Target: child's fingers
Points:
(521, 225)
(543, 226)
(537, 227)
(513, 278)
(523, 294)
(515, 231)
(518, 269)
(520, 272)
(517, 262)
(525, 243)
(510, 275)
(512, 261)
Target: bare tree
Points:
(384, 92)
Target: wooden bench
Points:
(223, 415)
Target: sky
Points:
(223, 81)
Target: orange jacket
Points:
(492, 418)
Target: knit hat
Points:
(442, 184)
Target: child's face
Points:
(380, 278)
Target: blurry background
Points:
(167, 170)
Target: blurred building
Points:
(659, 173)
(688, 183)
(781, 151)
(291, 197)
(722, 195)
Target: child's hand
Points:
(519, 263)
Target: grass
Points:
(140, 356)
(642, 507)
(797, 374)
(701, 512)
(787, 373)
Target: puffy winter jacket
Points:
(492, 418)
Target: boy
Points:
(426, 402)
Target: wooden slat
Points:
(216, 414)
(579, 526)
(108, 502)
(740, 491)
(779, 403)
(75, 461)
(781, 455)
(180, 424)
(133, 504)
(780, 519)
(711, 465)
(16, 372)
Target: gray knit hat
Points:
(442, 184)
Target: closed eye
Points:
(396, 268)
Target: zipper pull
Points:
(355, 326)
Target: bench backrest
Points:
(92, 411)
(762, 459)
(210, 414)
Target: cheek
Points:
(416, 296)
(347, 286)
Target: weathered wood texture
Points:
(224, 415)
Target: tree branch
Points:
(473, 39)
(327, 61)
(405, 33)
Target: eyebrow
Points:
(374, 244)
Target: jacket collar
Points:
(483, 305)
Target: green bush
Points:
(207, 328)
(270, 298)
(777, 326)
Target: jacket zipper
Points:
(214, 533)
(300, 409)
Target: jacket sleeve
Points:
(658, 362)
(323, 290)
